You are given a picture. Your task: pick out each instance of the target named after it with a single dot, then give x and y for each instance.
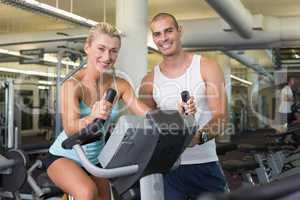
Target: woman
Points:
(82, 103)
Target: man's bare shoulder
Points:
(208, 62)
(210, 69)
(148, 78)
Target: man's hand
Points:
(188, 108)
(195, 140)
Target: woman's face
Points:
(102, 51)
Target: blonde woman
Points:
(83, 102)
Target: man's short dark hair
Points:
(161, 15)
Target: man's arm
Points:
(216, 99)
(146, 91)
(131, 101)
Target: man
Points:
(286, 102)
(199, 170)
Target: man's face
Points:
(166, 36)
(292, 81)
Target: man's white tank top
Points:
(166, 94)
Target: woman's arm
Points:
(72, 123)
(132, 102)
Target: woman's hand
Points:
(188, 108)
(101, 109)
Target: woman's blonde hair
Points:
(104, 28)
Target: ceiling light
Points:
(27, 72)
(41, 82)
(46, 9)
(241, 80)
(42, 87)
(8, 52)
(47, 58)
(42, 8)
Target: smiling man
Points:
(180, 70)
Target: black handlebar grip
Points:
(185, 96)
(110, 97)
(93, 131)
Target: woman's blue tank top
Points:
(91, 150)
